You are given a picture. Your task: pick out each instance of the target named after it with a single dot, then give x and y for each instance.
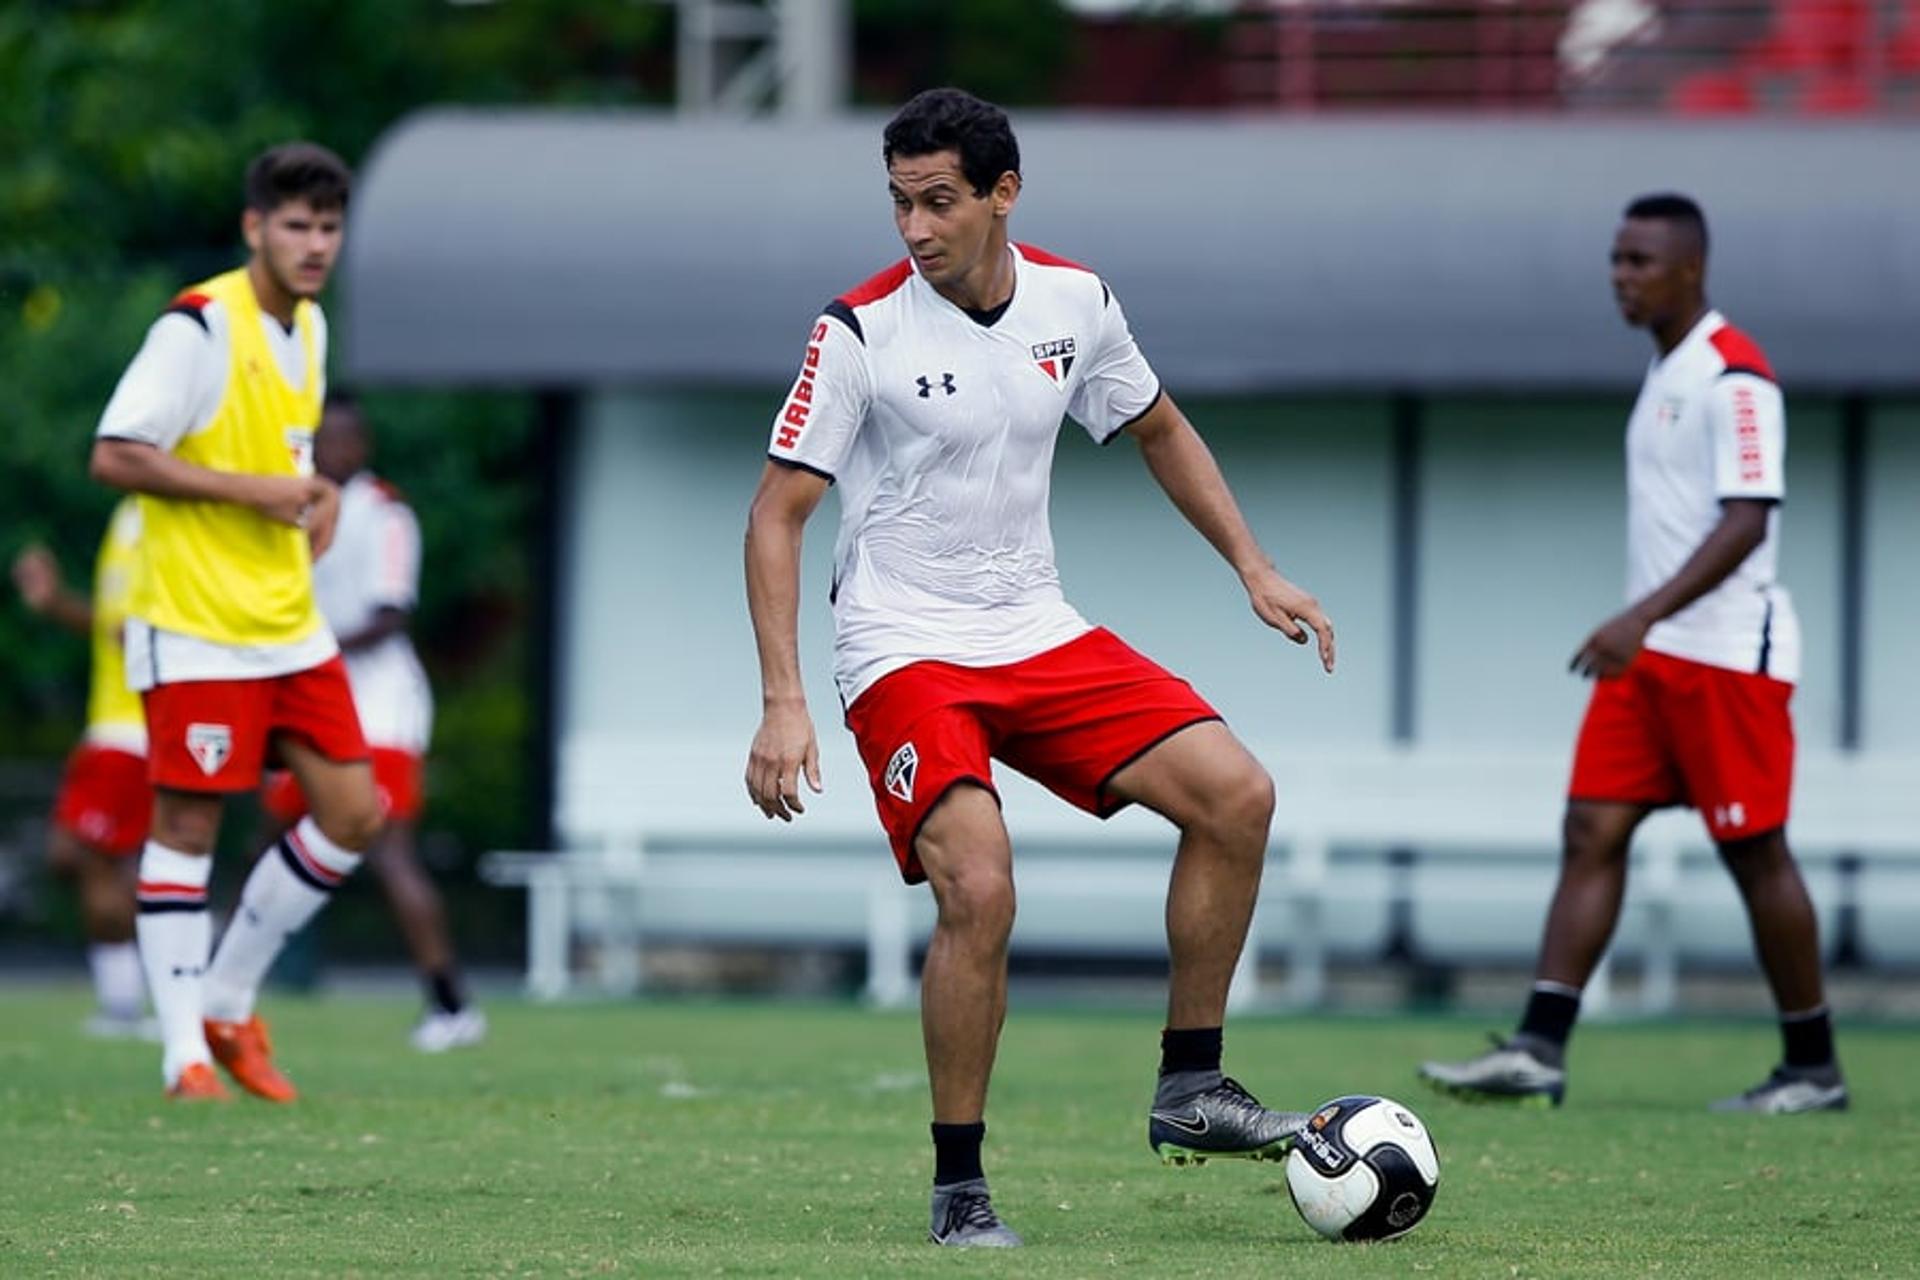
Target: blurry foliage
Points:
(124, 132)
(1013, 52)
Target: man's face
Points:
(340, 446)
(1656, 270)
(946, 227)
(297, 243)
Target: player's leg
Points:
(175, 932)
(450, 1021)
(317, 736)
(1739, 761)
(107, 911)
(1220, 798)
(1623, 768)
(99, 826)
(968, 861)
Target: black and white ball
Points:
(1363, 1169)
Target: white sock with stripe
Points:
(289, 885)
(173, 932)
(118, 986)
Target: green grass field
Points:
(765, 1140)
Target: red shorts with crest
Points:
(397, 776)
(212, 735)
(1070, 719)
(1671, 731)
(104, 799)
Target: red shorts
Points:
(1069, 718)
(212, 735)
(104, 799)
(397, 776)
(1670, 731)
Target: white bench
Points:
(660, 842)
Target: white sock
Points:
(118, 986)
(289, 885)
(173, 933)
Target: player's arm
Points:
(36, 575)
(784, 747)
(387, 620)
(1742, 527)
(1184, 467)
(1747, 426)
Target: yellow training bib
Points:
(111, 705)
(215, 570)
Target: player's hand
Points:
(1291, 611)
(783, 750)
(36, 574)
(282, 499)
(1609, 650)
(323, 515)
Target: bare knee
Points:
(1237, 809)
(353, 825)
(977, 901)
(186, 822)
(1592, 835)
(1756, 857)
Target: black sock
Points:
(1551, 1011)
(956, 1152)
(1189, 1049)
(443, 992)
(1808, 1038)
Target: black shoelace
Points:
(969, 1209)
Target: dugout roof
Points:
(564, 249)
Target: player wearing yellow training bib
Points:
(100, 814)
(212, 426)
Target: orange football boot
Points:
(244, 1050)
(197, 1083)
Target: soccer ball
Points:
(1363, 1169)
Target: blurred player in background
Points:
(368, 585)
(1692, 679)
(934, 394)
(100, 817)
(212, 426)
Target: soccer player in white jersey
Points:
(367, 587)
(1691, 680)
(212, 426)
(933, 395)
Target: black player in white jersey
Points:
(933, 394)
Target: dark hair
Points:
(954, 120)
(1668, 206)
(297, 171)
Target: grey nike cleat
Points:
(963, 1218)
(1509, 1072)
(1791, 1090)
(1224, 1122)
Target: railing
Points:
(1811, 57)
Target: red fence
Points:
(1810, 57)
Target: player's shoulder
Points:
(1735, 351)
(379, 489)
(858, 307)
(195, 305)
(1063, 274)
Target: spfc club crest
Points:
(900, 771)
(209, 745)
(1054, 359)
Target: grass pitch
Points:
(761, 1140)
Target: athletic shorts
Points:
(397, 776)
(105, 799)
(1670, 731)
(1070, 719)
(213, 735)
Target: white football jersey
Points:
(939, 429)
(1710, 425)
(374, 563)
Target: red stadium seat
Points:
(1837, 96)
(1712, 93)
(1815, 35)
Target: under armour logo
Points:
(189, 971)
(927, 385)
